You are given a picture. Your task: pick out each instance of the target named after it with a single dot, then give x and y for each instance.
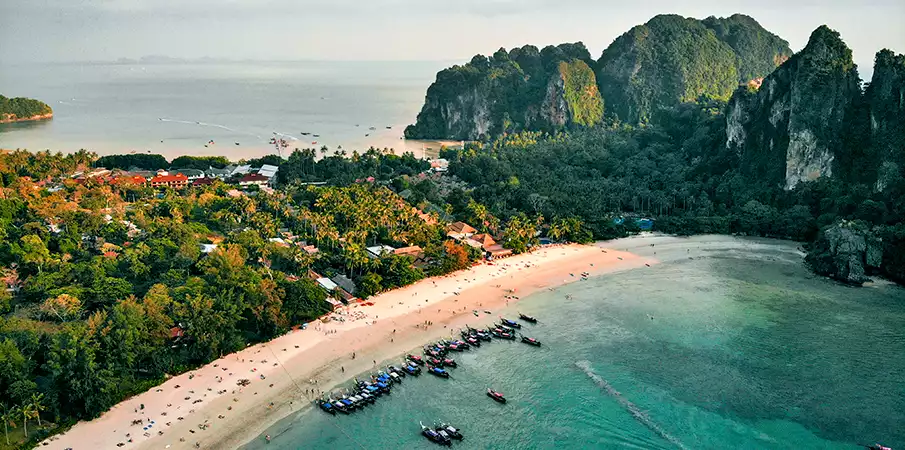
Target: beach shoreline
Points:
(207, 407)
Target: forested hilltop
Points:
(666, 61)
(20, 109)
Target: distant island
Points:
(21, 109)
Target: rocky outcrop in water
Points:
(523, 89)
(790, 128)
(847, 252)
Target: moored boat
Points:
(449, 362)
(510, 323)
(498, 396)
(436, 371)
(326, 406)
(527, 318)
(434, 437)
(452, 431)
(531, 341)
(415, 359)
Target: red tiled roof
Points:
(253, 177)
(134, 179)
(178, 178)
(202, 181)
(460, 227)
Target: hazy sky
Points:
(78, 30)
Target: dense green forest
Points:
(95, 283)
(22, 108)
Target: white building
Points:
(379, 251)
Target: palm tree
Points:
(37, 404)
(26, 411)
(7, 415)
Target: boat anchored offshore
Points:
(452, 431)
(434, 437)
(531, 341)
(498, 396)
(436, 371)
(527, 318)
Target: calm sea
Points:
(729, 343)
(175, 109)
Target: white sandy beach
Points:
(207, 408)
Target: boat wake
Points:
(633, 409)
(286, 135)
(205, 124)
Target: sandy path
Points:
(206, 406)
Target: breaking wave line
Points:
(635, 411)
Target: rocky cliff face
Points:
(790, 129)
(885, 98)
(672, 59)
(524, 89)
(846, 252)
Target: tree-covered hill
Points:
(523, 89)
(668, 60)
(672, 59)
(21, 108)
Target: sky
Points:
(393, 30)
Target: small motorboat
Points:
(877, 447)
(473, 341)
(411, 369)
(452, 431)
(527, 318)
(434, 437)
(326, 406)
(438, 372)
(498, 396)
(396, 369)
(415, 359)
(449, 362)
(339, 406)
(368, 398)
(510, 323)
(350, 406)
(435, 361)
(531, 341)
(463, 345)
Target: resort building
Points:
(191, 174)
(268, 171)
(177, 181)
(240, 170)
(488, 245)
(414, 251)
(439, 165)
(379, 251)
(253, 179)
(460, 231)
(222, 174)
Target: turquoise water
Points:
(114, 108)
(738, 347)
